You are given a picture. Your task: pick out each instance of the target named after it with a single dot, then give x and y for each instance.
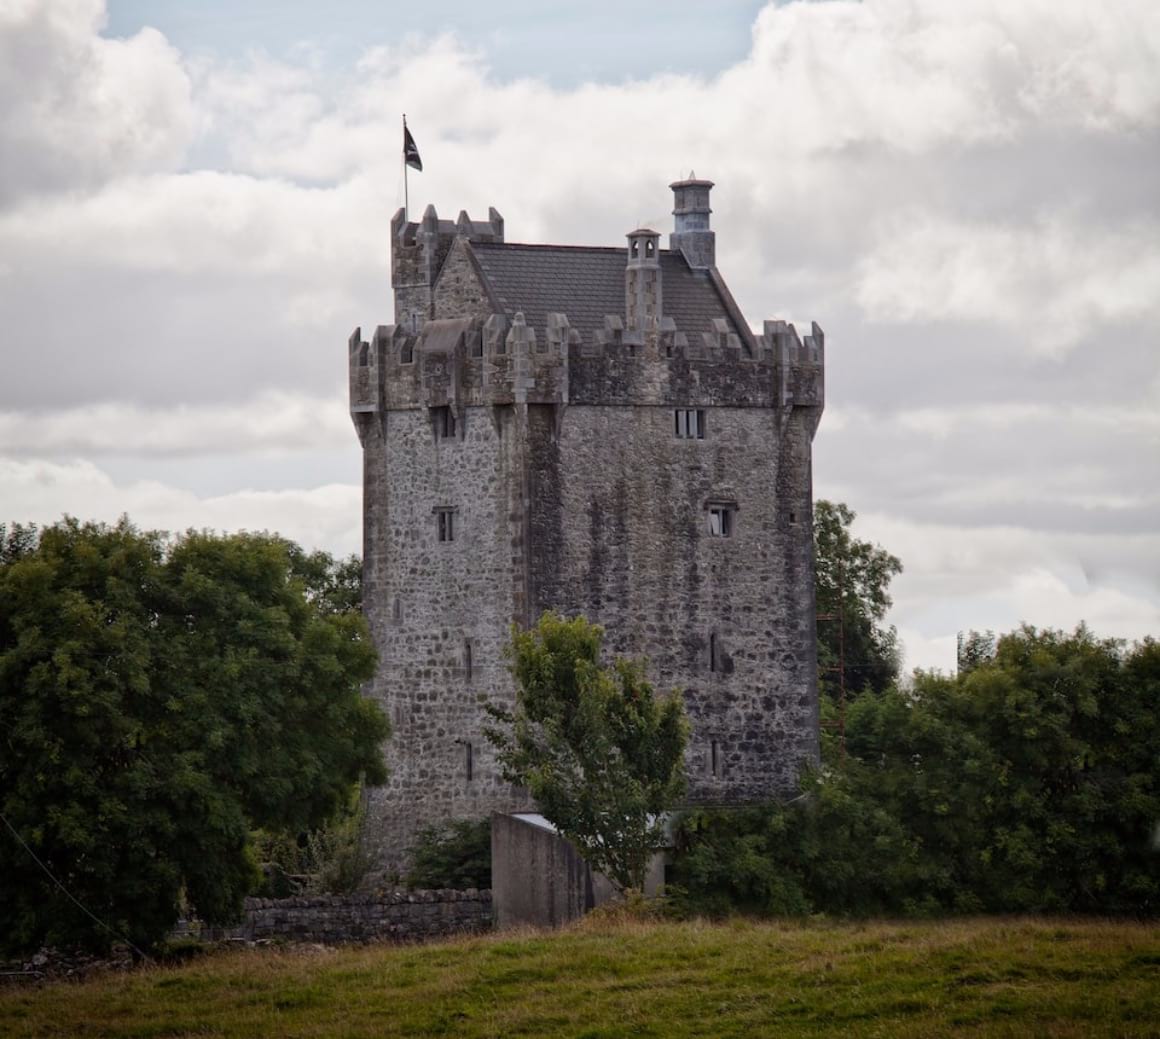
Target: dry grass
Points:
(611, 977)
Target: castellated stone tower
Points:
(598, 431)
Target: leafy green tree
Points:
(852, 582)
(158, 700)
(1029, 783)
(599, 752)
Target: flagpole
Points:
(406, 191)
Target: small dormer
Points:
(642, 280)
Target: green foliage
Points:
(328, 860)
(599, 752)
(455, 854)
(852, 581)
(158, 700)
(1030, 783)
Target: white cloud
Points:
(79, 108)
(329, 516)
(1056, 282)
(271, 422)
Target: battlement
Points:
(454, 362)
(406, 233)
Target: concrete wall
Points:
(538, 879)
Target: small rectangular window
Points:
(445, 524)
(444, 423)
(721, 521)
(689, 423)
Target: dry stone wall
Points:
(378, 916)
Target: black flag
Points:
(410, 151)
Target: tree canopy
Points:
(599, 752)
(158, 699)
(1030, 782)
(852, 581)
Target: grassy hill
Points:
(606, 978)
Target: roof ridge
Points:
(550, 245)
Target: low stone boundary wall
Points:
(362, 917)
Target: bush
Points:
(1029, 783)
(456, 854)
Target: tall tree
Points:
(852, 581)
(157, 701)
(600, 753)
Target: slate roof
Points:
(586, 283)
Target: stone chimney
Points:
(691, 234)
(642, 280)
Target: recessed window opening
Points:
(407, 354)
(649, 247)
(713, 661)
(635, 247)
(793, 517)
(398, 610)
(689, 423)
(468, 762)
(714, 765)
(444, 422)
(721, 521)
(445, 524)
(467, 661)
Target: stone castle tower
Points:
(598, 431)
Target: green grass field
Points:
(608, 978)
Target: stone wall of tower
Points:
(572, 491)
(441, 614)
(619, 506)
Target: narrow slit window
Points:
(467, 661)
(714, 763)
(468, 761)
(713, 651)
(444, 423)
(445, 524)
(721, 521)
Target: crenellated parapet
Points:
(457, 362)
(418, 252)
(800, 366)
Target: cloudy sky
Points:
(194, 207)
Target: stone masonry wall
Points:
(440, 613)
(393, 915)
(620, 530)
